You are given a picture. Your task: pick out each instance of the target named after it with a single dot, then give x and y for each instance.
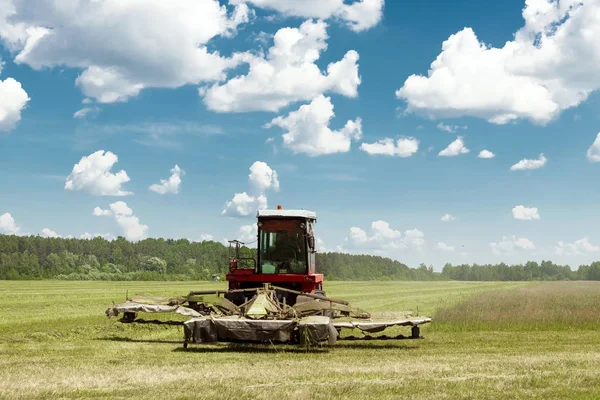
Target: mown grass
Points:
(55, 342)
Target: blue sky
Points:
(305, 94)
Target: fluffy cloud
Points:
(551, 65)
(579, 247)
(358, 15)
(308, 129)
(261, 178)
(12, 100)
(509, 245)
(130, 224)
(98, 212)
(287, 74)
(530, 164)
(132, 55)
(455, 148)
(247, 233)
(486, 154)
(593, 153)
(414, 239)
(525, 213)
(92, 174)
(447, 218)
(243, 205)
(170, 185)
(383, 237)
(404, 147)
(8, 224)
(444, 247)
(50, 233)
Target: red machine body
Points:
(285, 255)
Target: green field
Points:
(488, 340)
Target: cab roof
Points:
(286, 214)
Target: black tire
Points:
(129, 316)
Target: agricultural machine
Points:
(277, 297)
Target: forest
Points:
(36, 257)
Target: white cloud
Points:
(121, 208)
(133, 54)
(444, 247)
(262, 177)
(358, 15)
(13, 100)
(308, 129)
(8, 224)
(414, 239)
(248, 233)
(450, 128)
(85, 111)
(593, 153)
(530, 164)
(243, 205)
(92, 174)
(383, 237)
(206, 237)
(509, 245)
(170, 185)
(525, 213)
(50, 233)
(404, 147)
(579, 247)
(287, 74)
(90, 236)
(130, 224)
(455, 148)
(98, 212)
(486, 154)
(447, 218)
(550, 66)
(320, 246)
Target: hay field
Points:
(55, 342)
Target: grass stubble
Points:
(488, 340)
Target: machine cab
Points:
(285, 254)
(286, 242)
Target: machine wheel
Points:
(320, 293)
(415, 332)
(129, 316)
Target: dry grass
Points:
(551, 305)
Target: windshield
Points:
(282, 248)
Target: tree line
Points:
(530, 271)
(35, 257)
